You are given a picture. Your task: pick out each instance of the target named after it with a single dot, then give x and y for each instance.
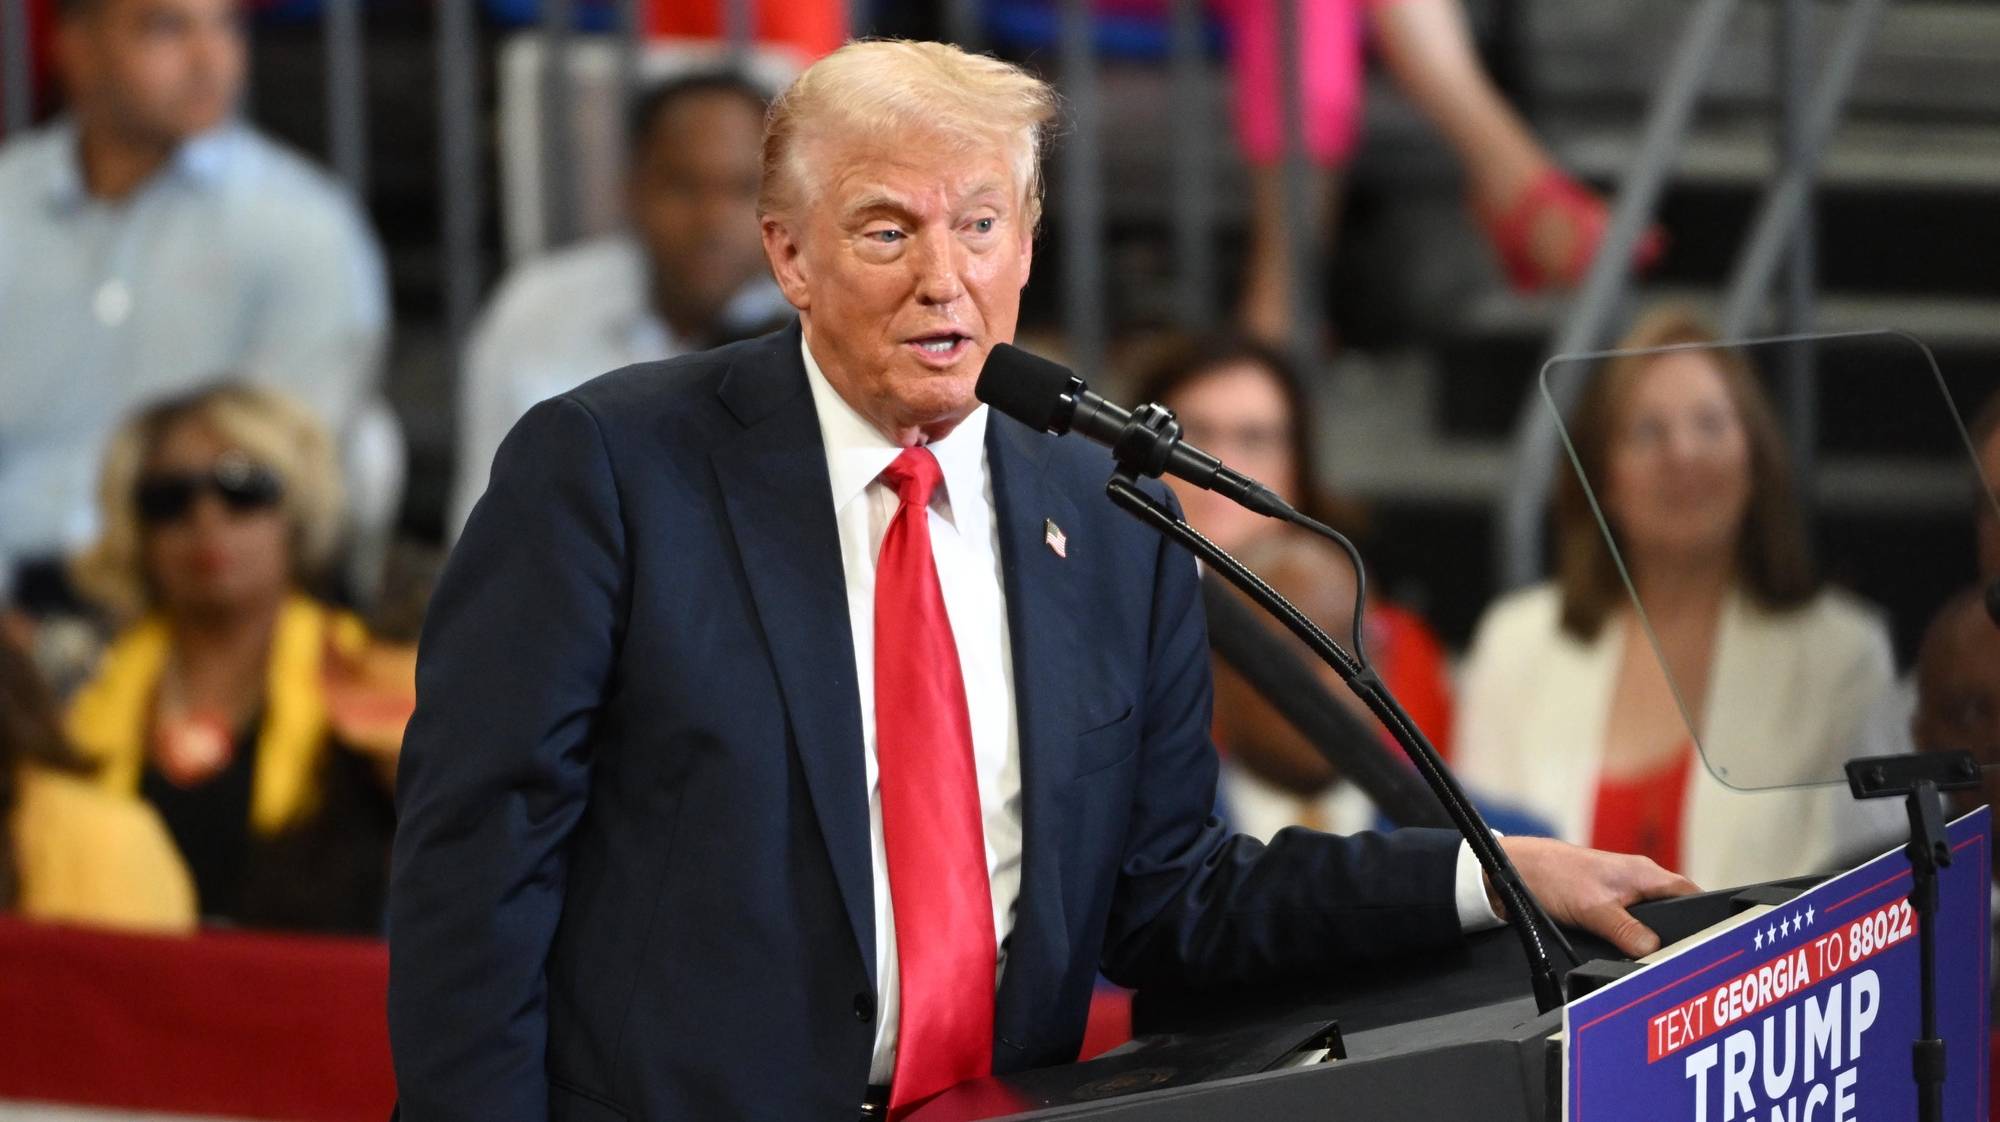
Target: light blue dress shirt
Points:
(237, 258)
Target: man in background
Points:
(688, 274)
(1984, 432)
(1958, 708)
(153, 242)
(1958, 691)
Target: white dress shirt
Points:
(965, 544)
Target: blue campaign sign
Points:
(1803, 1014)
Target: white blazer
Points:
(1792, 694)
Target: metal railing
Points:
(1194, 172)
(1782, 234)
(1084, 319)
(17, 82)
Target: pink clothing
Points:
(1331, 39)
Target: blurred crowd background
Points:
(277, 276)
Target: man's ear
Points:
(787, 258)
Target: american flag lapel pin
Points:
(1054, 538)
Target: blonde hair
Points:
(879, 87)
(265, 426)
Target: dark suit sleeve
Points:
(517, 650)
(1198, 906)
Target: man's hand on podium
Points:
(1590, 889)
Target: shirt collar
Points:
(205, 159)
(856, 452)
(65, 166)
(202, 159)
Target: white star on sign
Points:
(1809, 915)
(1759, 940)
(1785, 925)
(1771, 933)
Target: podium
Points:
(1459, 1036)
(1423, 1039)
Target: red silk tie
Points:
(931, 822)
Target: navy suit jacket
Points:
(632, 876)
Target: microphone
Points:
(1050, 398)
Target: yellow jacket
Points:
(87, 856)
(112, 715)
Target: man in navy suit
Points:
(795, 738)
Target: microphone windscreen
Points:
(1026, 387)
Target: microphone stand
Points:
(1918, 780)
(1143, 450)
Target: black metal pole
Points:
(1296, 202)
(1927, 1054)
(17, 79)
(1795, 307)
(1920, 778)
(1085, 315)
(1193, 166)
(557, 117)
(460, 198)
(347, 96)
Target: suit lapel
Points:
(1042, 622)
(776, 492)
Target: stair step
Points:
(1927, 58)
(1935, 320)
(1871, 154)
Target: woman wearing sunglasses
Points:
(228, 701)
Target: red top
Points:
(1642, 814)
(1411, 662)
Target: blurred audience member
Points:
(150, 240)
(1958, 692)
(1985, 433)
(1240, 400)
(1544, 226)
(1565, 705)
(1958, 709)
(70, 852)
(689, 275)
(262, 724)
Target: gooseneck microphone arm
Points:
(1290, 681)
(1146, 442)
(1530, 921)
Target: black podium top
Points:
(1436, 1036)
